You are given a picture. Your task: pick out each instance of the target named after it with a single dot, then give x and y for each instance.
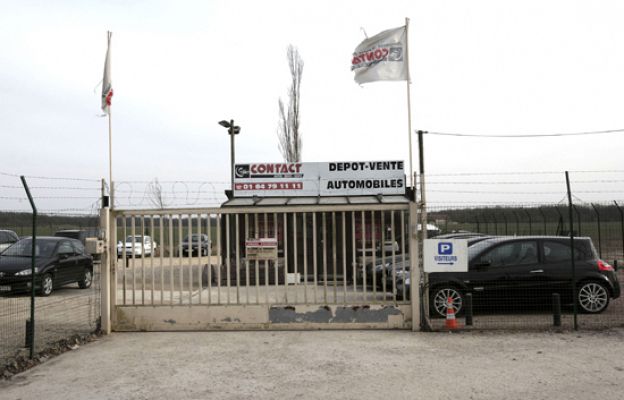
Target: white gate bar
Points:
(314, 256)
(237, 250)
(219, 259)
(334, 262)
(363, 238)
(246, 236)
(392, 238)
(295, 256)
(374, 255)
(209, 233)
(324, 229)
(171, 251)
(256, 262)
(142, 260)
(344, 259)
(353, 254)
(403, 259)
(285, 236)
(227, 257)
(305, 258)
(162, 251)
(133, 231)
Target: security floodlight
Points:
(232, 130)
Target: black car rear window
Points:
(555, 251)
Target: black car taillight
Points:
(603, 266)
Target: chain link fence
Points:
(524, 272)
(70, 309)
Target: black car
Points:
(519, 271)
(526, 270)
(58, 261)
(196, 244)
(383, 268)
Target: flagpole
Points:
(409, 103)
(110, 158)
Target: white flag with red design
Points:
(381, 57)
(107, 88)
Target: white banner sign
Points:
(445, 255)
(353, 178)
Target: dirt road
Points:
(333, 365)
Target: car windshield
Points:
(195, 238)
(130, 239)
(23, 248)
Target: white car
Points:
(136, 245)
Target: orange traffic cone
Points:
(451, 322)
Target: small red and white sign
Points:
(261, 249)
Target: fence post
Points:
(486, 224)
(31, 334)
(543, 218)
(574, 294)
(505, 219)
(517, 223)
(495, 224)
(478, 228)
(560, 224)
(529, 217)
(468, 313)
(578, 220)
(621, 224)
(556, 309)
(599, 235)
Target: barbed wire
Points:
(509, 136)
(51, 177)
(521, 173)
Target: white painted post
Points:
(414, 266)
(105, 273)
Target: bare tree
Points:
(155, 194)
(288, 129)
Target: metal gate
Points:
(325, 267)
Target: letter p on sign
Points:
(445, 248)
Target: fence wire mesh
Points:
(68, 209)
(520, 253)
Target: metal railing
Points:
(326, 255)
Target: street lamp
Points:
(232, 130)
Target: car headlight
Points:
(27, 272)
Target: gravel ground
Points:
(335, 365)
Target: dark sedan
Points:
(516, 272)
(196, 244)
(58, 261)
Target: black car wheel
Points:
(86, 280)
(439, 299)
(47, 285)
(593, 297)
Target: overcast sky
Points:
(478, 67)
